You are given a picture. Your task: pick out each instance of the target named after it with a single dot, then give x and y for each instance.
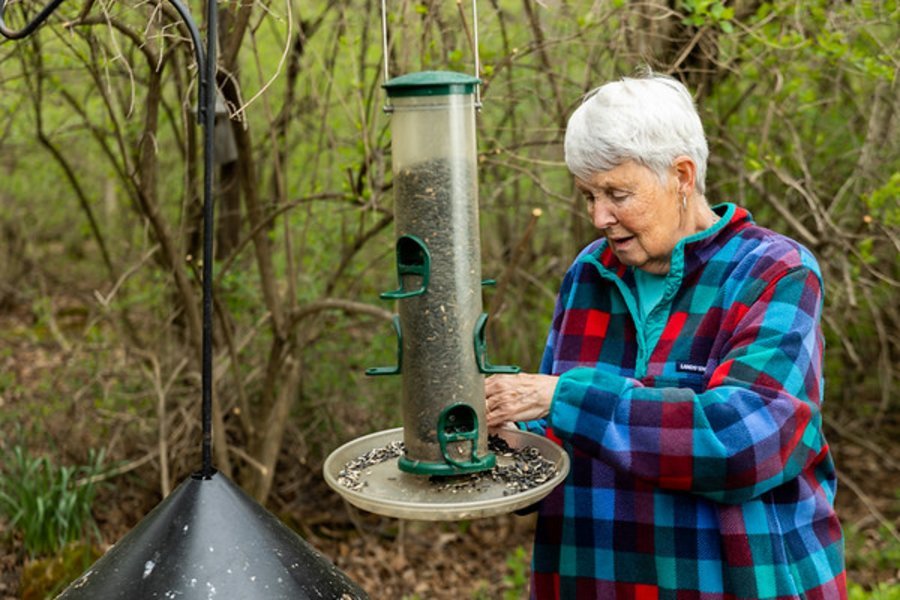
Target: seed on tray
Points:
(527, 470)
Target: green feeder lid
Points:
(431, 83)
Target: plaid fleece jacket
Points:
(699, 468)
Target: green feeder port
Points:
(457, 423)
(413, 259)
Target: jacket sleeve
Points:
(756, 425)
(539, 426)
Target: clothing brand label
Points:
(684, 367)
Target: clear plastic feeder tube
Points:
(436, 219)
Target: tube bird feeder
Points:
(438, 260)
(440, 325)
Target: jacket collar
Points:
(689, 253)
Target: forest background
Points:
(100, 194)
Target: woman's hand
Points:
(521, 397)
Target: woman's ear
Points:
(686, 172)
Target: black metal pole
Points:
(209, 118)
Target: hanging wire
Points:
(384, 40)
(386, 58)
(206, 73)
(477, 63)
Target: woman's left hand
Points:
(521, 397)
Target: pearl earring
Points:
(683, 201)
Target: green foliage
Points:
(873, 551)
(239, 290)
(881, 591)
(482, 592)
(47, 504)
(708, 12)
(8, 384)
(883, 202)
(516, 579)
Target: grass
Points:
(873, 555)
(518, 564)
(47, 504)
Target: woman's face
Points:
(641, 217)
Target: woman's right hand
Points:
(520, 397)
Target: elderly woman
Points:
(683, 375)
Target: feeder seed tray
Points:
(388, 491)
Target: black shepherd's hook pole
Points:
(209, 122)
(206, 74)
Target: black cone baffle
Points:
(208, 539)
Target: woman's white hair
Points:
(650, 119)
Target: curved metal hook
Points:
(199, 56)
(30, 27)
